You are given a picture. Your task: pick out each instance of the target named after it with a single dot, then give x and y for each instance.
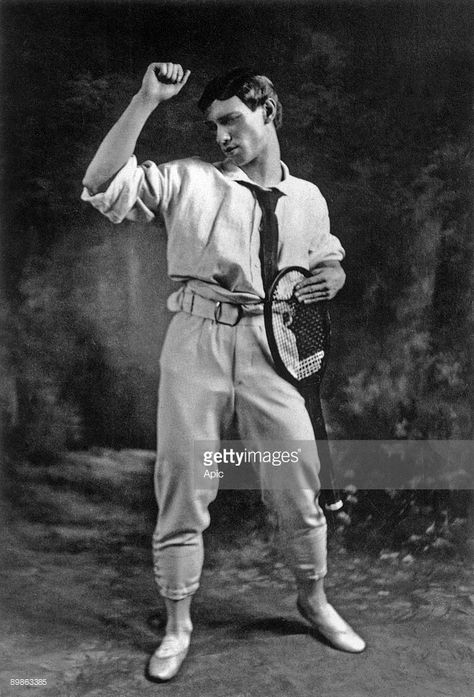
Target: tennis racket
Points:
(299, 335)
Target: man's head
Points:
(241, 108)
(251, 88)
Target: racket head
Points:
(298, 334)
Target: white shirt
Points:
(212, 223)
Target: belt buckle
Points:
(218, 314)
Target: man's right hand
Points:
(162, 81)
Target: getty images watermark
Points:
(238, 457)
(241, 465)
(394, 464)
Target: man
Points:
(216, 368)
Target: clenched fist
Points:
(163, 81)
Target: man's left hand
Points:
(326, 281)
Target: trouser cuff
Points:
(177, 593)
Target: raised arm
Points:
(161, 82)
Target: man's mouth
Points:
(229, 150)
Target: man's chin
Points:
(236, 159)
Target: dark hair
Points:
(246, 84)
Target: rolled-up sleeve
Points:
(324, 245)
(133, 194)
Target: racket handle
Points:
(330, 494)
(332, 497)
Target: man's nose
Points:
(222, 135)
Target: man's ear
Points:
(269, 110)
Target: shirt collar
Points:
(231, 171)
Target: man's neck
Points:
(266, 170)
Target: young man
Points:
(216, 368)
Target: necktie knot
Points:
(267, 198)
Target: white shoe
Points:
(333, 628)
(169, 656)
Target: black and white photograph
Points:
(236, 357)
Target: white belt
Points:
(217, 310)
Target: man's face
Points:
(240, 132)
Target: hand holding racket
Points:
(298, 335)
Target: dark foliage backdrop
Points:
(377, 100)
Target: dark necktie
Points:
(267, 200)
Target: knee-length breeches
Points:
(213, 375)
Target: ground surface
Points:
(80, 609)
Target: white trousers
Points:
(213, 375)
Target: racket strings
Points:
(300, 330)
